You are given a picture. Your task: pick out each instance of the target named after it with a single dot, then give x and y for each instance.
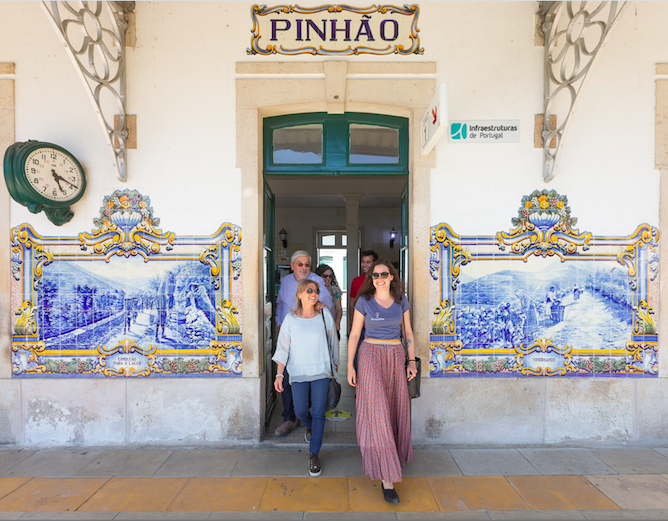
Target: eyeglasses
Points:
(302, 265)
(383, 275)
(311, 290)
(327, 276)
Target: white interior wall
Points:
(301, 223)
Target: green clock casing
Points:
(44, 176)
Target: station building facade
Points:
(528, 233)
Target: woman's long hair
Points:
(322, 269)
(301, 286)
(368, 290)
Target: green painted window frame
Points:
(336, 144)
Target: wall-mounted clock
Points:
(44, 176)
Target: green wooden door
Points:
(269, 301)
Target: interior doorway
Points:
(315, 214)
(335, 185)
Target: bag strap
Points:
(329, 347)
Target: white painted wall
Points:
(493, 71)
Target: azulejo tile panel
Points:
(126, 299)
(544, 299)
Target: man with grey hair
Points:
(300, 263)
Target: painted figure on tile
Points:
(576, 292)
(553, 306)
(528, 315)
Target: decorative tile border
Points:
(126, 299)
(544, 299)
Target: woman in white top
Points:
(303, 346)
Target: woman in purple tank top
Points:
(383, 410)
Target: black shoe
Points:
(314, 468)
(307, 435)
(390, 495)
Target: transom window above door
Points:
(353, 143)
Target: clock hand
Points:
(58, 178)
(73, 186)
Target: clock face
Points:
(53, 174)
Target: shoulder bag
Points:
(414, 384)
(334, 389)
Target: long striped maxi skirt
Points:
(383, 410)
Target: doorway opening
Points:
(337, 186)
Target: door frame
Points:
(280, 88)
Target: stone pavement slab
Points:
(199, 463)
(475, 493)
(220, 494)
(534, 515)
(272, 463)
(633, 461)
(367, 496)
(11, 515)
(337, 463)
(352, 516)
(432, 463)
(11, 458)
(135, 495)
(54, 463)
(45, 494)
(127, 462)
(256, 516)
(8, 485)
(575, 462)
(306, 494)
(643, 492)
(66, 516)
(560, 493)
(642, 515)
(446, 516)
(492, 462)
(176, 516)
(662, 450)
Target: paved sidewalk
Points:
(261, 483)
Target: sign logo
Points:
(458, 131)
(487, 131)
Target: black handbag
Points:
(414, 384)
(334, 388)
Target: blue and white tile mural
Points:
(544, 299)
(126, 299)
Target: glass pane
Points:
(370, 144)
(344, 240)
(300, 145)
(328, 240)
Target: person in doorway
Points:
(382, 403)
(327, 274)
(300, 263)
(303, 347)
(368, 258)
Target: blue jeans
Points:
(315, 419)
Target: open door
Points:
(403, 265)
(269, 301)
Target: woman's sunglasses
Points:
(383, 275)
(311, 290)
